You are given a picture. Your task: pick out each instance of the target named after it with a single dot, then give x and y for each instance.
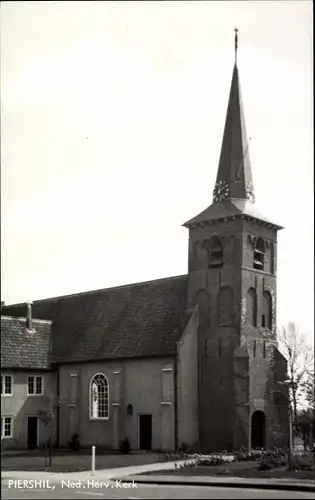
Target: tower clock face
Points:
(221, 191)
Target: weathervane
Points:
(236, 40)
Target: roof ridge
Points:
(36, 320)
(97, 290)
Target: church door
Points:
(258, 429)
(145, 432)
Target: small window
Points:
(264, 349)
(252, 306)
(6, 427)
(99, 401)
(6, 385)
(259, 255)
(266, 319)
(254, 349)
(216, 253)
(35, 386)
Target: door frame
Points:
(140, 415)
(262, 429)
(37, 434)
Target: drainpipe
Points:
(176, 397)
(58, 408)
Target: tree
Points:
(309, 393)
(299, 357)
(47, 416)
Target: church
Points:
(183, 361)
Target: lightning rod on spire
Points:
(236, 43)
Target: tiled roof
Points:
(21, 348)
(143, 319)
(229, 208)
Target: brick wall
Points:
(233, 386)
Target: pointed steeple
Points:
(233, 195)
(234, 177)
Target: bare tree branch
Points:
(300, 358)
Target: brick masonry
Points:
(235, 378)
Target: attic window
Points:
(216, 253)
(259, 255)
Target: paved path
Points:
(85, 485)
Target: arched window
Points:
(99, 397)
(216, 253)
(225, 306)
(252, 306)
(266, 318)
(259, 254)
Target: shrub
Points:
(124, 446)
(74, 443)
(273, 452)
(302, 462)
(246, 454)
(210, 461)
(173, 456)
(186, 465)
(268, 462)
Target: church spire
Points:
(234, 177)
(236, 44)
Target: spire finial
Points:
(236, 40)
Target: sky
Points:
(112, 119)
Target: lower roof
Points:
(142, 319)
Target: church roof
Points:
(25, 349)
(138, 320)
(228, 209)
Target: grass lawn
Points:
(248, 469)
(67, 461)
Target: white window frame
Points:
(90, 398)
(3, 417)
(34, 386)
(3, 375)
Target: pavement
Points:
(136, 474)
(232, 482)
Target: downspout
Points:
(58, 410)
(176, 395)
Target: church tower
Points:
(232, 277)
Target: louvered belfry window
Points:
(259, 255)
(216, 253)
